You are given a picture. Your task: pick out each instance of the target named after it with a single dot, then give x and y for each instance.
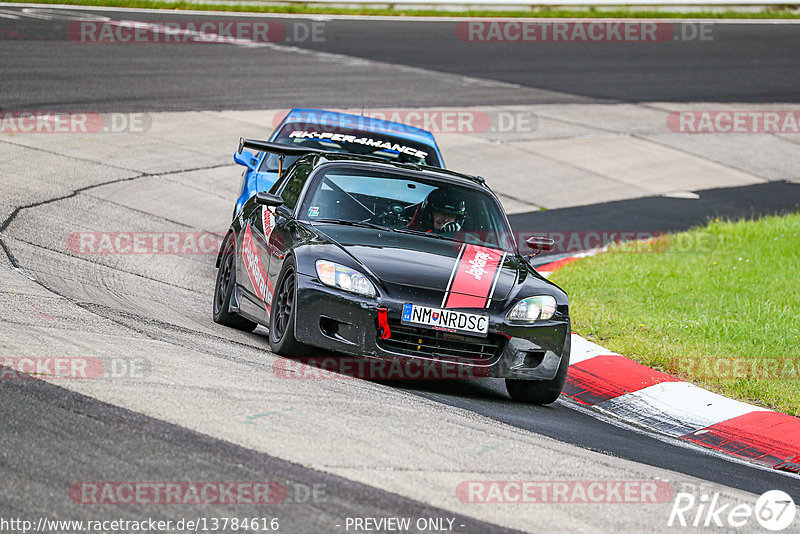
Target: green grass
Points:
(787, 13)
(718, 306)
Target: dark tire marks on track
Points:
(53, 438)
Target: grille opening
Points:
(338, 330)
(328, 326)
(448, 346)
(529, 359)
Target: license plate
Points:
(447, 320)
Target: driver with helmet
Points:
(442, 211)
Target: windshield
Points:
(351, 142)
(406, 204)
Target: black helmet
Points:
(445, 201)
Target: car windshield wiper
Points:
(426, 234)
(361, 224)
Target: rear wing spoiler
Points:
(276, 148)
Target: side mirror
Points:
(265, 199)
(246, 158)
(540, 244)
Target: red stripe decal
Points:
(606, 377)
(496, 278)
(768, 438)
(453, 274)
(255, 269)
(473, 278)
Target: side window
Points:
(292, 186)
(278, 185)
(270, 162)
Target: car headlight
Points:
(344, 278)
(532, 309)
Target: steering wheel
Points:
(393, 215)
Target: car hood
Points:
(426, 262)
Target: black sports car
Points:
(396, 262)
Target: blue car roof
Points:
(360, 122)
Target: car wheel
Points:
(281, 318)
(542, 391)
(226, 279)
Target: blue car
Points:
(334, 132)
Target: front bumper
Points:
(331, 319)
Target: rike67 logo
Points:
(774, 510)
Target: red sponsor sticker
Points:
(475, 274)
(268, 218)
(255, 269)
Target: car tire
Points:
(542, 391)
(281, 319)
(223, 289)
